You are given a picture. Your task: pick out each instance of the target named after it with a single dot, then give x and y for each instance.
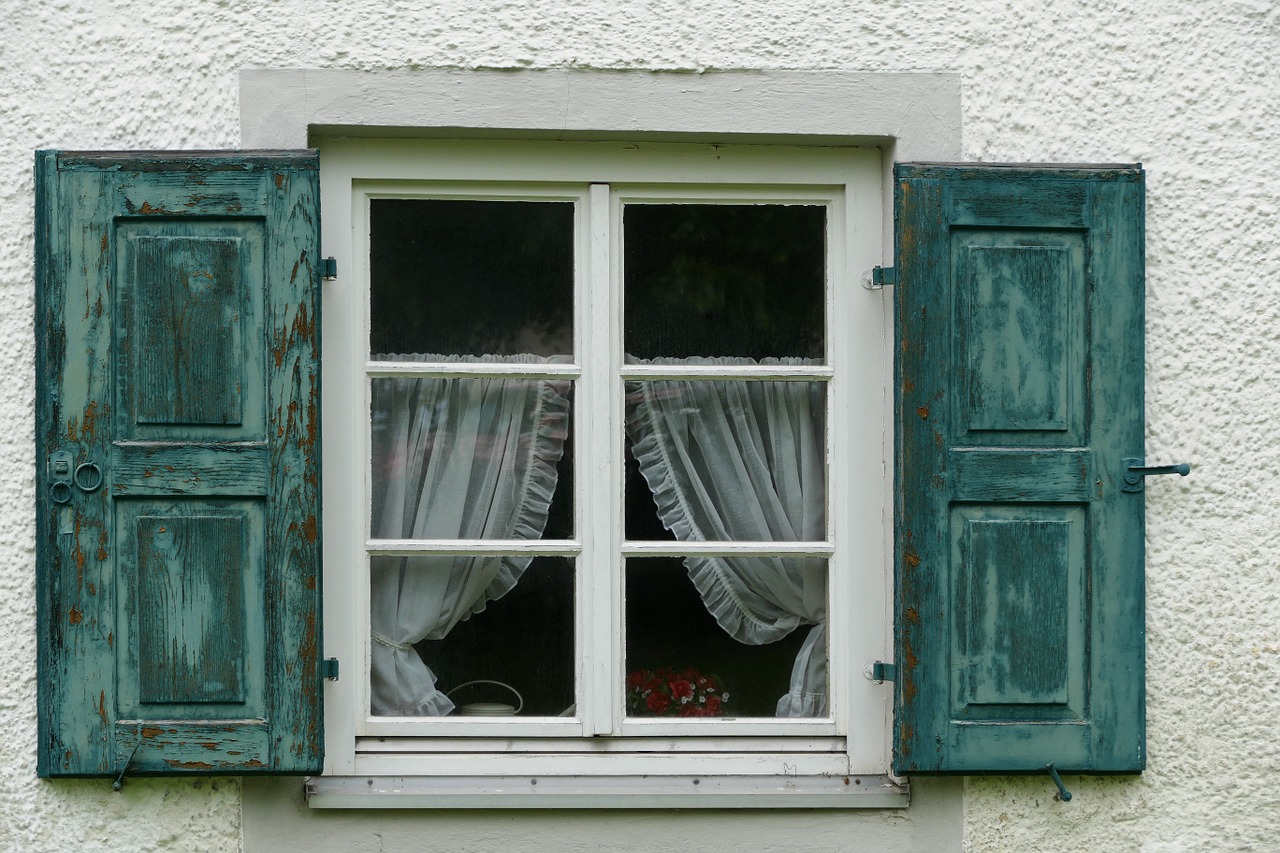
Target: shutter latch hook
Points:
(1063, 793)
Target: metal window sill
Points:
(606, 792)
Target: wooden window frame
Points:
(856, 738)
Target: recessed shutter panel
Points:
(1019, 559)
(178, 463)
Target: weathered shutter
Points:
(1019, 559)
(178, 462)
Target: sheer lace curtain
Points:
(453, 458)
(743, 460)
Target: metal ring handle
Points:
(519, 698)
(94, 471)
(60, 492)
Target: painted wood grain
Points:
(178, 352)
(1018, 559)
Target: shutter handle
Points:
(88, 476)
(60, 477)
(1134, 471)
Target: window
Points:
(177, 420)
(653, 338)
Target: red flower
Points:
(635, 679)
(681, 690)
(658, 703)
(713, 704)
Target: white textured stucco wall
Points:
(1187, 87)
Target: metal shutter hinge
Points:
(877, 277)
(880, 672)
(329, 669)
(328, 268)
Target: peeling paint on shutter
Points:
(177, 364)
(1019, 559)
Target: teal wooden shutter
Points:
(177, 461)
(1019, 559)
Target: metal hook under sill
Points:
(1063, 793)
(118, 785)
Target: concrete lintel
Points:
(916, 116)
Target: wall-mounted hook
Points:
(1063, 793)
(118, 785)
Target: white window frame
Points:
(914, 116)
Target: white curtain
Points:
(453, 458)
(744, 460)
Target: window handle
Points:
(1135, 471)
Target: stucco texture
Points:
(1188, 88)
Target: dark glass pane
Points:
(726, 460)
(471, 277)
(671, 635)
(484, 458)
(724, 279)
(523, 639)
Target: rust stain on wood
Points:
(188, 765)
(923, 412)
(152, 731)
(102, 706)
(90, 427)
(910, 662)
(75, 617)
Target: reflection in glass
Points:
(471, 277)
(688, 656)
(724, 460)
(477, 458)
(724, 279)
(440, 622)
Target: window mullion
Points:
(598, 506)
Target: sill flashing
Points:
(606, 792)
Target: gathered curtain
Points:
(744, 460)
(453, 458)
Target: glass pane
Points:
(692, 651)
(720, 460)
(471, 458)
(724, 279)
(471, 277)
(441, 623)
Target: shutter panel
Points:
(1019, 559)
(178, 463)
